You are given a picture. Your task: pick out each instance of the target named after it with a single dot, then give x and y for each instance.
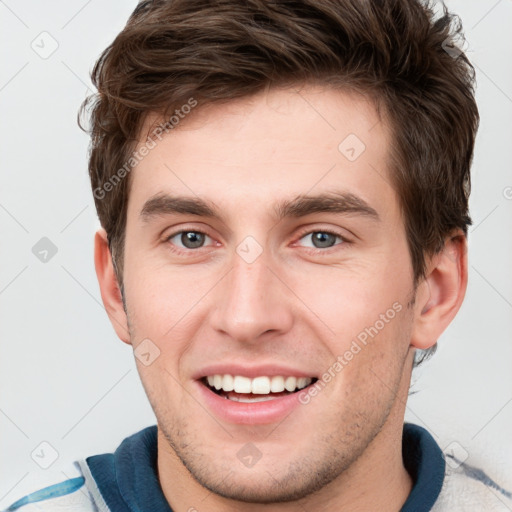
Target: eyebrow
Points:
(300, 206)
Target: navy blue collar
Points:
(128, 478)
(425, 462)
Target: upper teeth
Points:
(258, 385)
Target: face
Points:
(266, 256)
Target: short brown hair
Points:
(398, 52)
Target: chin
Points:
(261, 489)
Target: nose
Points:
(251, 302)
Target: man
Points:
(283, 191)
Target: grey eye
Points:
(321, 239)
(189, 239)
(192, 239)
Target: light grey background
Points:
(66, 379)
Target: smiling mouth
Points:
(238, 388)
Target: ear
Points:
(109, 288)
(440, 295)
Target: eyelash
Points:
(302, 234)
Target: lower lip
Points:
(257, 413)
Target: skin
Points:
(296, 304)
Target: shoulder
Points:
(466, 487)
(67, 495)
(443, 483)
(93, 484)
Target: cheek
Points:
(372, 365)
(161, 299)
(350, 298)
(165, 305)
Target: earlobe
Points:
(109, 287)
(440, 295)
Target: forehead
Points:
(279, 142)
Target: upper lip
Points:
(251, 371)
